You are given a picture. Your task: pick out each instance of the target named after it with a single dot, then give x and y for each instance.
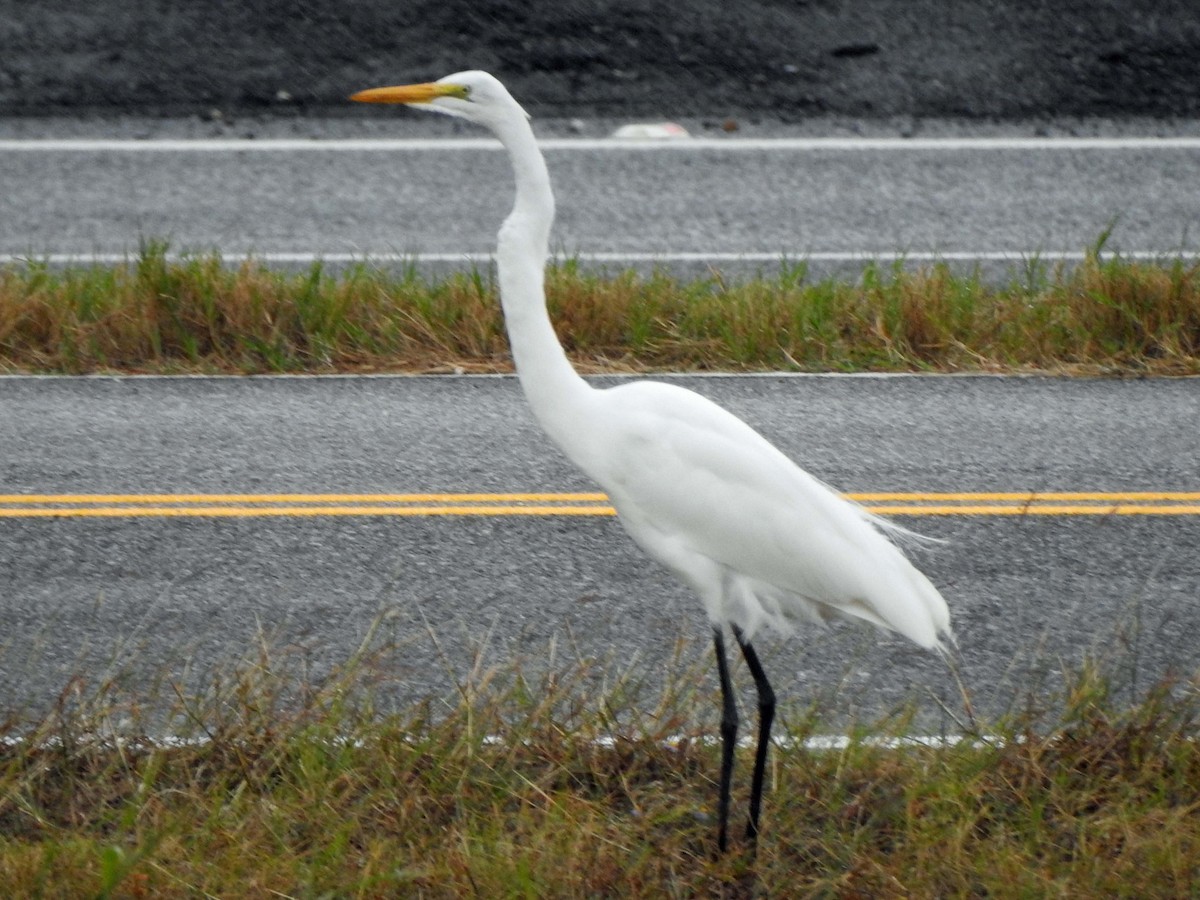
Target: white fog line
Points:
(733, 145)
(305, 257)
(813, 743)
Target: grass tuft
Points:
(162, 314)
(532, 782)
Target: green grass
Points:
(536, 785)
(165, 315)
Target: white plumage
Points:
(760, 540)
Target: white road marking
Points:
(397, 145)
(814, 743)
(305, 257)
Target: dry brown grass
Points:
(157, 314)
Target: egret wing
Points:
(682, 469)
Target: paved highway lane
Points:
(154, 595)
(702, 200)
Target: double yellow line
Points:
(1013, 503)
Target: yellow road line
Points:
(300, 498)
(299, 511)
(1005, 503)
(1039, 496)
(1112, 509)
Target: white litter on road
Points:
(651, 131)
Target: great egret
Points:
(760, 540)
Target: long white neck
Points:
(556, 393)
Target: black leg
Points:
(766, 715)
(729, 723)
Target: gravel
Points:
(252, 66)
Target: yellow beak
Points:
(411, 93)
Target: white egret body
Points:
(760, 540)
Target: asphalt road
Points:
(139, 598)
(762, 198)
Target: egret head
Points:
(474, 95)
